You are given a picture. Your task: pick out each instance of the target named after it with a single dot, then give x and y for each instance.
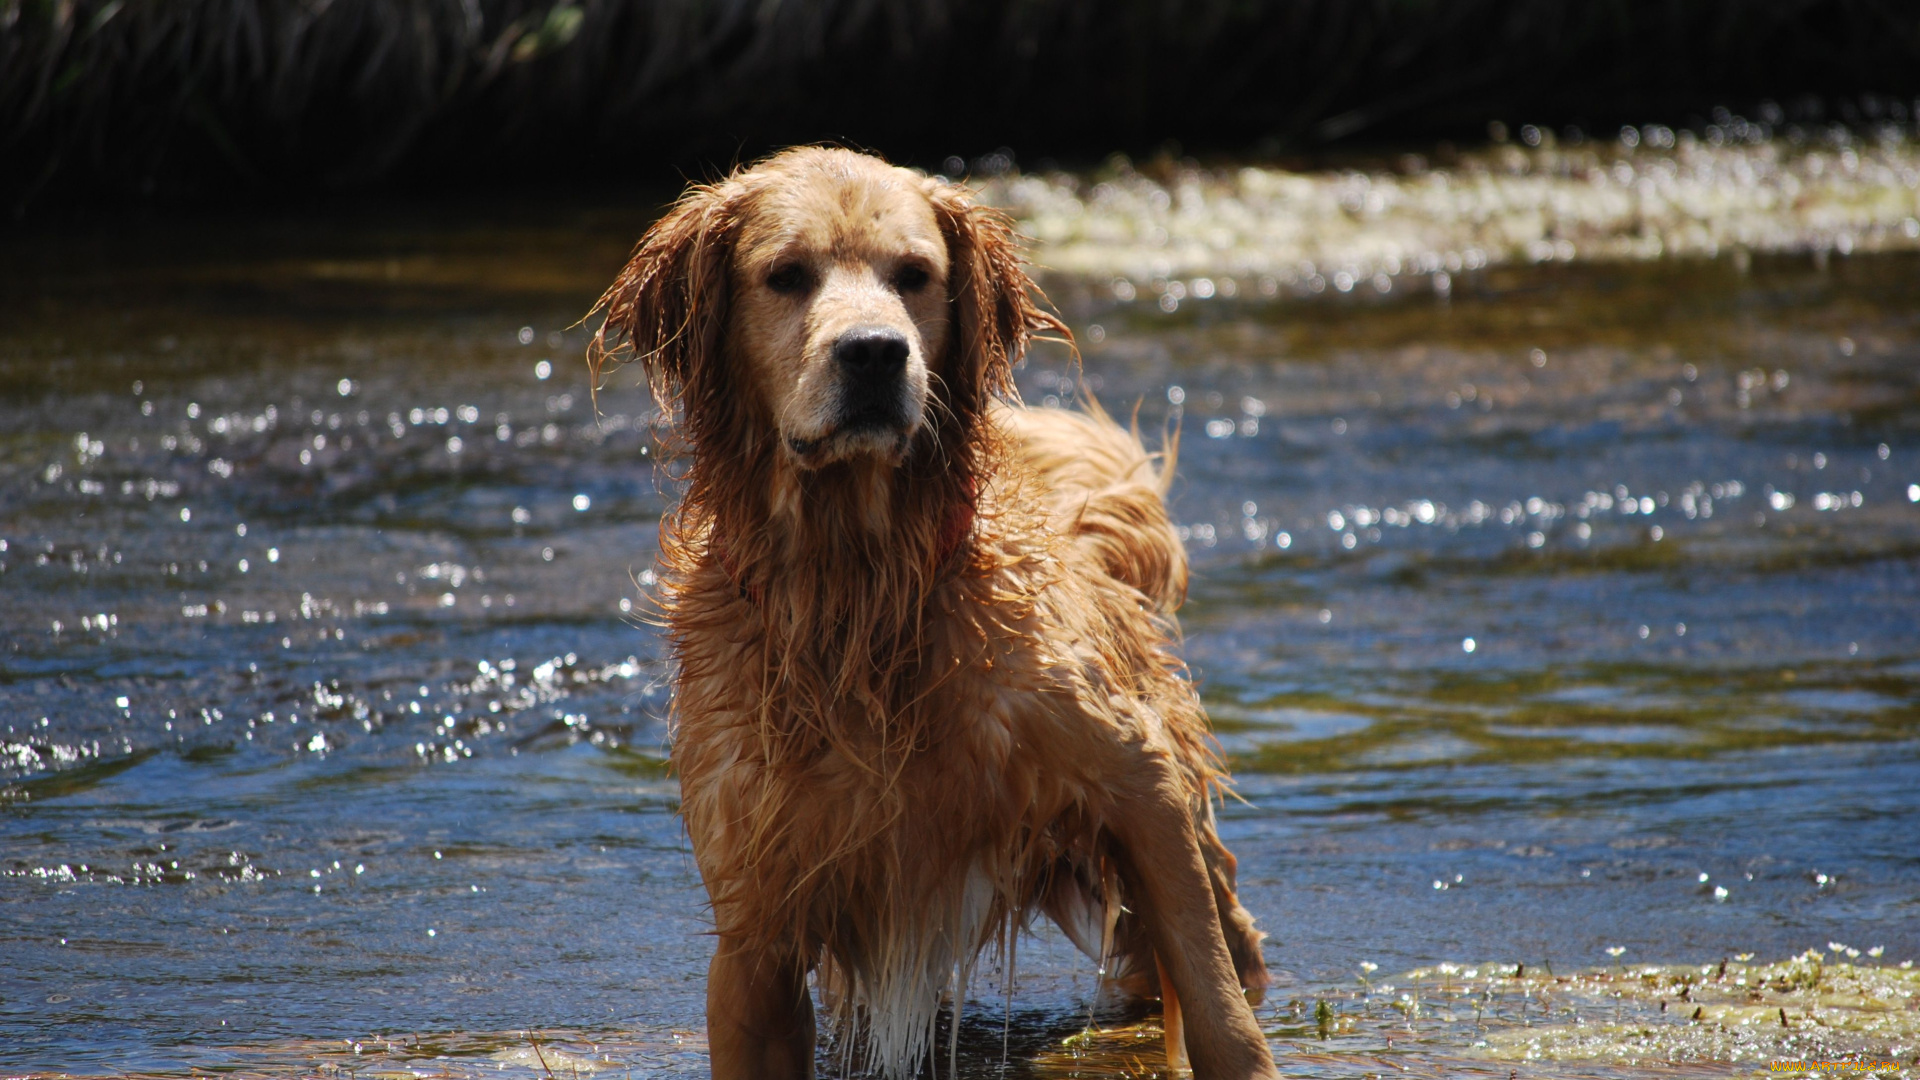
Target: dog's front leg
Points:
(1161, 863)
(759, 1016)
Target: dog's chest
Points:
(979, 760)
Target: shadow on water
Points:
(1569, 613)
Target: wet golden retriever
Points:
(927, 687)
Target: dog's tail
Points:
(1106, 491)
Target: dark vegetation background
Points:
(170, 100)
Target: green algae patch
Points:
(1803, 1015)
(1806, 1016)
(1603, 711)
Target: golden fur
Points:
(927, 686)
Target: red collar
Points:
(953, 533)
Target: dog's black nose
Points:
(871, 351)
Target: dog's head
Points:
(846, 308)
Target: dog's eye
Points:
(790, 278)
(911, 279)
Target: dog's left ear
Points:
(668, 306)
(996, 306)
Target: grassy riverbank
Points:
(135, 98)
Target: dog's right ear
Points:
(668, 306)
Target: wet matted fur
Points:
(927, 686)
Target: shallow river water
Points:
(1561, 627)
